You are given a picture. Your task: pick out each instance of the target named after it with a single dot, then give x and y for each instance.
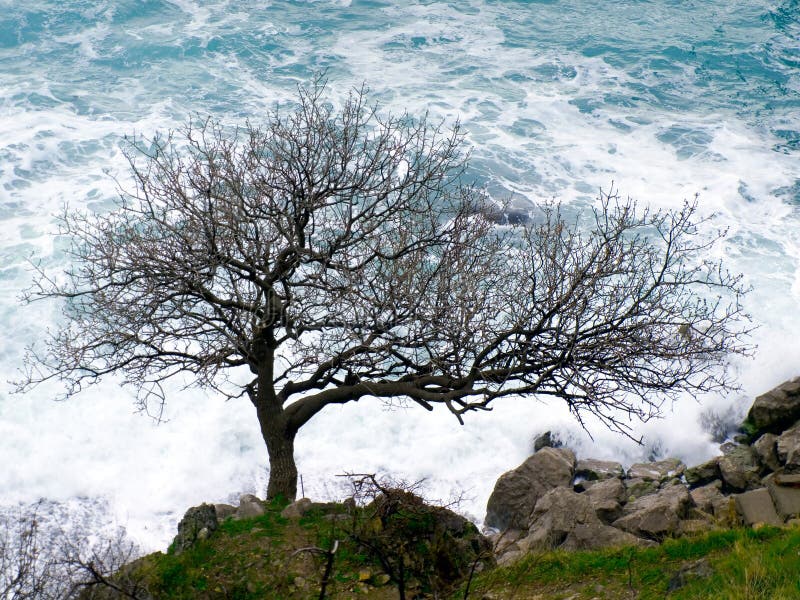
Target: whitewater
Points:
(666, 99)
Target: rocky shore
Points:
(554, 501)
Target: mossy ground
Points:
(258, 559)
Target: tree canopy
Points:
(333, 254)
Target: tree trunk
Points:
(279, 437)
(282, 468)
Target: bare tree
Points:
(40, 560)
(333, 255)
(27, 570)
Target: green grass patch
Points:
(724, 565)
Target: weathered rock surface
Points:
(249, 507)
(703, 473)
(740, 469)
(606, 498)
(565, 519)
(787, 447)
(766, 451)
(756, 506)
(297, 509)
(778, 409)
(638, 487)
(785, 493)
(699, 569)
(657, 471)
(658, 515)
(709, 498)
(591, 469)
(516, 492)
(198, 523)
(224, 511)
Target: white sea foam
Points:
(555, 102)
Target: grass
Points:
(740, 564)
(258, 559)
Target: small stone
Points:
(364, 575)
(224, 511)
(296, 509)
(381, 579)
(249, 510)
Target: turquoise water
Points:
(667, 99)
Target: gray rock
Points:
(697, 522)
(606, 498)
(787, 447)
(703, 473)
(198, 523)
(709, 499)
(766, 451)
(740, 469)
(636, 488)
(778, 409)
(565, 519)
(592, 469)
(660, 470)
(224, 511)
(297, 509)
(785, 492)
(516, 492)
(250, 509)
(591, 536)
(756, 506)
(656, 516)
(699, 569)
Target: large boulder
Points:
(739, 468)
(198, 523)
(756, 507)
(638, 487)
(785, 492)
(703, 473)
(766, 451)
(656, 516)
(710, 499)
(565, 519)
(787, 447)
(516, 492)
(606, 498)
(776, 410)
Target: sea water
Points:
(558, 99)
